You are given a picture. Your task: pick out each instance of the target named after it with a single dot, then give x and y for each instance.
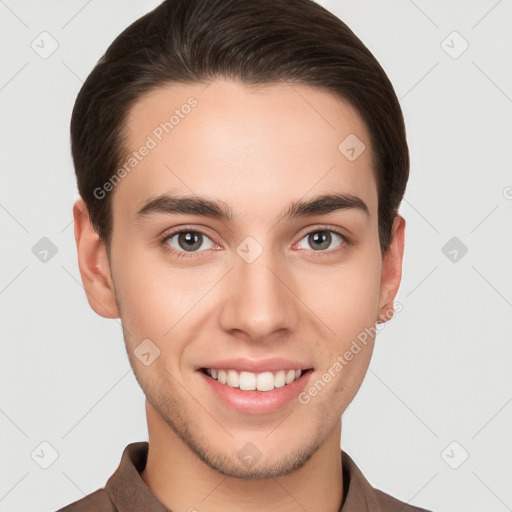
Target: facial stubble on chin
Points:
(228, 465)
(167, 404)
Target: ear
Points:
(94, 265)
(392, 270)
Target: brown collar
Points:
(129, 493)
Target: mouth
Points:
(255, 393)
(250, 381)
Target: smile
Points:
(249, 381)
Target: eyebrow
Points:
(217, 209)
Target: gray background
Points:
(439, 386)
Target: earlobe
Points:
(392, 270)
(93, 264)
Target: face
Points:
(244, 263)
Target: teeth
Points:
(248, 381)
(222, 376)
(233, 379)
(280, 379)
(290, 376)
(266, 381)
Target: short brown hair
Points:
(255, 42)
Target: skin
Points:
(258, 150)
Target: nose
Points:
(260, 300)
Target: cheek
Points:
(346, 296)
(355, 301)
(153, 296)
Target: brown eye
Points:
(189, 241)
(321, 240)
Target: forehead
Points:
(244, 145)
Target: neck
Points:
(182, 481)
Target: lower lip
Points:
(257, 402)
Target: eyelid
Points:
(327, 227)
(184, 228)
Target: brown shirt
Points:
(125, 490)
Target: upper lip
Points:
(255, 366)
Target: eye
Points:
(187, 241)
(321, 239)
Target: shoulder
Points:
(97, 501)
(388, 503)
(361, 495)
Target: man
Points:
(240, 165)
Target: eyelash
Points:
(191, 254)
